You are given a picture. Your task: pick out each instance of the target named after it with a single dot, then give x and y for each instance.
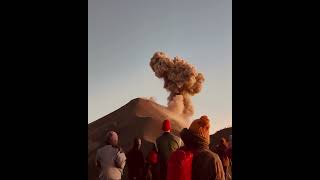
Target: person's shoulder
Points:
(208, 153)
(160, 138)
(157, 140)
(117, 148)
(176, 138)
(105, 147)
(101, 148)
(171, 135)
(214, 155)
(205, 157)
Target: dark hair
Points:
(136, 143)
(223, 142)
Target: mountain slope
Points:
(138, 118)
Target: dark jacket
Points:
(166, 144)
(135, 163)
(222, 152)
(206, 165)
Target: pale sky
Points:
(124, 34)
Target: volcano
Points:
(139, 118)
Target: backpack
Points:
(153, 157)
(180, 165)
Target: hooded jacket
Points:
(206, 165)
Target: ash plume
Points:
(180, 79)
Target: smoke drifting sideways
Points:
(180, 79)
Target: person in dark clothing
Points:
(153, 167)
(135, 161)
(223, 152)
(206, 165)
(166, 144)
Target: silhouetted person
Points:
(166, 144)
(110, 159)
(222, 151)
(135, 161)
(229, 154)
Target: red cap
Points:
(166, 125)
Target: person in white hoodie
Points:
(110, 159)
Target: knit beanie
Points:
(200, 127)
(112, 138)
(166, 125)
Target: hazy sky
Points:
(124, 34)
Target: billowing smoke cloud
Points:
(180, 79)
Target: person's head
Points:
(137, 143)
(200, 127)
(223, 142)
(112, 138)
(166, 126)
